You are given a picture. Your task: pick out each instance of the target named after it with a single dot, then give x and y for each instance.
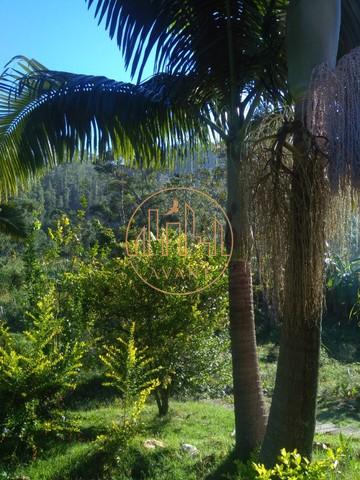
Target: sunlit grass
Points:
(205, 425)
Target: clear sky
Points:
(60, 34)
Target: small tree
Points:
(177, 329)
(180, 332)
(101, 295)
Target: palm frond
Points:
(47, 117)
(192, 36)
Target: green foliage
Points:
(13, 221)
(342, 283)
(339, 270)
(129, 370)
(180, 332)
(34, 273)
(11, 291)
(338, 381)
(101, 294)
(292, 466)
(36, 369)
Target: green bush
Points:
(37, 368)
(129, 371)
(185, 335)
(181, 332)
(100, 295)
(292, 466)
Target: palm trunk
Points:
(249, 405)
(292, 415)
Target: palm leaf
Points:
(47, 117)
(192, 36)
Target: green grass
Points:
(202, 424)
(339, 385)
(350, 467)
(206, 425)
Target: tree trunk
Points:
(162, 401)
(250, 417)
(293, 410)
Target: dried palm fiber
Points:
(269, 203)
(270, 218)
(332, 115)
(271, 150)
(342, 223)
(308, 206)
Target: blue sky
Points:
(60, 34)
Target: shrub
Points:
(129, 371)
(184, 335)
(36, 369)
(179, 331)
(292, 466)
(100, 294)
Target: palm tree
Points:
(216, 62)
(313, 39)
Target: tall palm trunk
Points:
(313, 37)
(293, 410)
(249, 406)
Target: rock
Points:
(190, 449)
(321, 446)
(152, 443)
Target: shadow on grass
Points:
(339, 411)
(225, 469)
(90, 433)
(91, 467)
(144, 463)
(155, 424)
(88, 463)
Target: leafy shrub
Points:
(184, 335)
(36, 369)
(179, 331)
(129, 371)
(292, 466)
(100, 294)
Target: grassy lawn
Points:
(205, 425)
